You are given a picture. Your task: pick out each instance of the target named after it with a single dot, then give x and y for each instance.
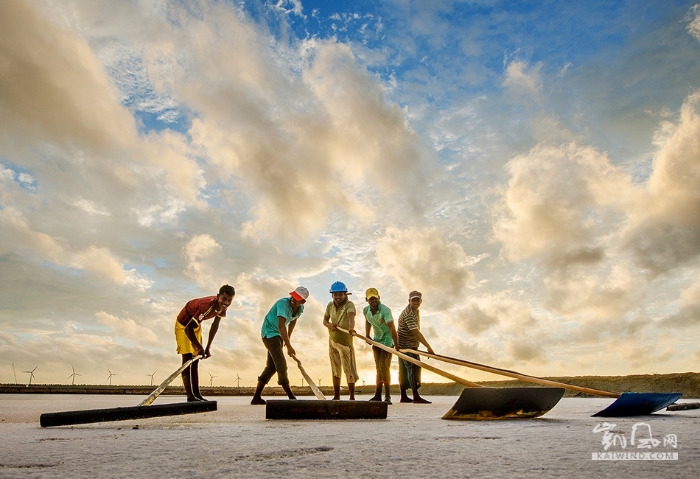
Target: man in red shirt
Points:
(188, 334)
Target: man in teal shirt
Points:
(276, 330)
(379, 318)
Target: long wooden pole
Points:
(416, 362)
(513, 374)
(317, 392)
(152, 397)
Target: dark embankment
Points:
(686, 383)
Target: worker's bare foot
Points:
(375, 398)
(257, 401)
(406, 399)
(335, 398)
(420, 400)
(351, 398)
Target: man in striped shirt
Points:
(409, 338)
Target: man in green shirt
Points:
(379, 318)
(340, 313)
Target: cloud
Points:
(151, 152)
(521, 78)
(59, 105)
(560, 202)
(501, 311)
(422, 259)
(644, 354)
(8, 338)
(474, 320)
(94, 259)
(526, 350)
(55, 86)
(688, 314)
(693, 17)
(565, 207)
(204, 256)
(300, 131)
(664, 231)
(127, 328)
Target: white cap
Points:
(301, 293)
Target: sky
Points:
(533, 168)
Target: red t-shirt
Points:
(199, 309)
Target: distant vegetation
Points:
(686, 383)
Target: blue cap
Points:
(339, 287)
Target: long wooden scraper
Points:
(152, 397)
(317, 392)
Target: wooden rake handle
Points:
(152, 397)
(416, 362)
(513, 374)
(317, 392)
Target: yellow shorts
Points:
(184, 345)
(342, 359)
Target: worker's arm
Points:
(189, 331)
(394, 334)
(281, 321)
(419, 336)
(351, 323)
(290, 328)
(327, 323)
(212, 332)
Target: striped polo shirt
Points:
(408, 319)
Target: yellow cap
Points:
(372, 293)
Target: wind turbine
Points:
(14, 372)
(319, 381)
(154, 373)
(31, 375)
(302, 381)
(109, 378)
(73, 376)
(238, 381)
(363, 383)
(211, 380)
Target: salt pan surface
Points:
(237, 441)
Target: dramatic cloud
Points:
(559, 204)
(539, 185)
(665, 229)
(423, 260)
(53, 85)
(564, 207)
(303, 132)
